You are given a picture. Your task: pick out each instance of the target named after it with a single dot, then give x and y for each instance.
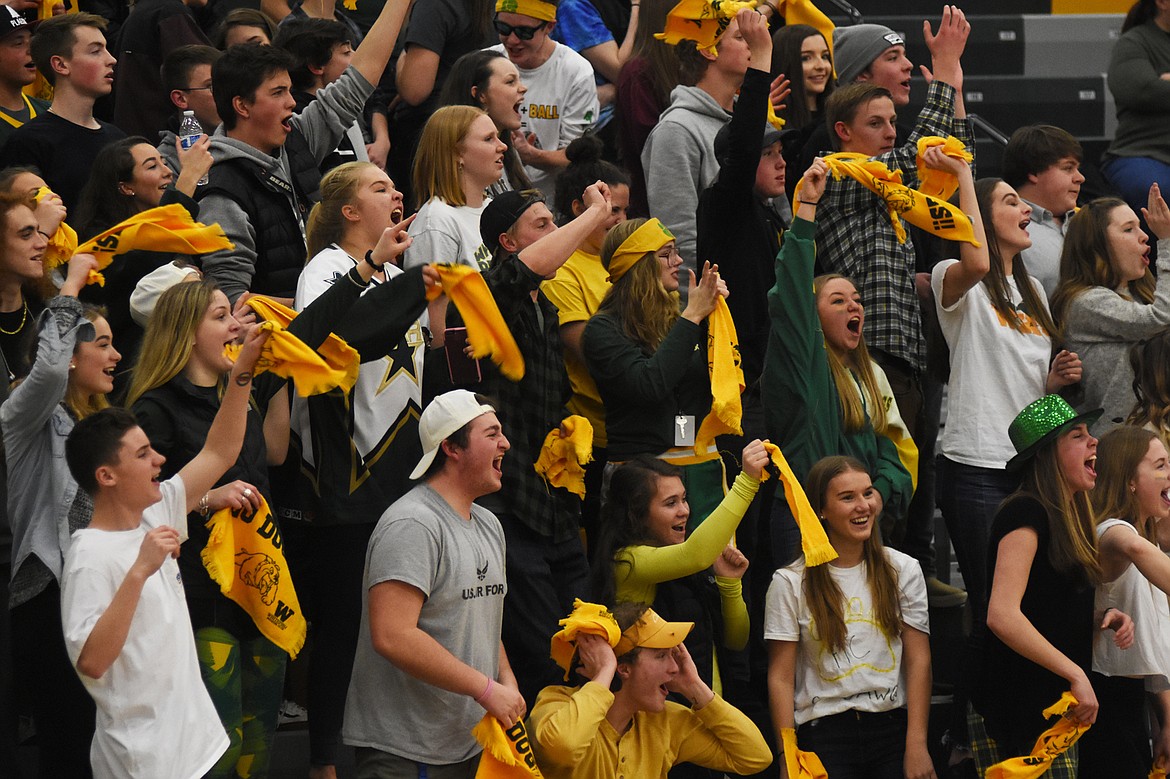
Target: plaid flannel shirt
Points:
(856, 239)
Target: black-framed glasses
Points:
(522, 32)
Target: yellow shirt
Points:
(572, 738)
(577, 291)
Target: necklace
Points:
(23, 319)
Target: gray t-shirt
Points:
(458, 564)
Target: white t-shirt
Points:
(382, 395)
(995, 371)
(450, 234)
(868, 675)
(560, 105)
(155, 719)
(1134, 594)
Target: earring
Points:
(72, 366)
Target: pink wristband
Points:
(483, 696)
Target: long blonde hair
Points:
(170, 336)
(826, 602)
(436, 163)
(326, 223)
(638, 301)
(1119, 454)
(854, 412)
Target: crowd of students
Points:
(623, 201)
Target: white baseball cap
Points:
(441, 419)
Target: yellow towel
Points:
(243, 556)
(334, 364)
(1157, 773)
(701, 21)
(564, 455)
(163, 229)
(723, 363)
(921, 210)
(939, 183)
(62, 243)
(801, 765)
(537, 9)
(591, 618)
(1051, 744)
(507, 754)
(813, 541)
(487, 332)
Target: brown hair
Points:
(854, 412)
(55, 37)
(846, 101)
(786, 59)
(1150, 361)
(826, 602)
(1119, 454)
(638, 301)
(436, 163)
(1034, 149)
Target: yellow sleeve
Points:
(721, 737)
(736, 622)
(564, 722)
(896, 429)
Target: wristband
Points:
(483, 696)
(809, 202)
(371, 263)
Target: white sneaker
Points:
(291, 711)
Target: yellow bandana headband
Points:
(537, 9)
(650, 237)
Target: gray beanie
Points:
(854, 48)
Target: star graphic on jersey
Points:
(402, 357)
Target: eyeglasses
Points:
(522, 32)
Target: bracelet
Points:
(371, 263)
(356, 279)
(809, 202)
(204, 508)
(483, 696)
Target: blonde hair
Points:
(81, 405)
(170, 336)
(638, 301)
(826, 601)
(436, 162)
(854, 413)
(326, 223)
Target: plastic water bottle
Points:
(189, 132)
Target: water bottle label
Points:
(187, 141)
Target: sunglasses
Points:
(522, 32)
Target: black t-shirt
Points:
(1013, 690)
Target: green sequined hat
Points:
(1041, 422)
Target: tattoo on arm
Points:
(244, 378)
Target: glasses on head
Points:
(522, 32)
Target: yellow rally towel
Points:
(701, 21)
(723, 363)
(334, 364)
(243, 556)
(537, 9)
(801, 765)
(928, 213)
(1157, 773)
(163, 229)
(591, 618)
(813, 541)
(566, 451)
(939, 183)
(507, 754)
(62, 243)
(487, 332)
(1051, 744)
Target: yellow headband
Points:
(650, 237)
(653, 632)
(537, 9)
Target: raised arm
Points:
(974, 262)
(373, 53)
(226, 435)
(547, 255)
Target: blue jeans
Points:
(1132, 177)
(858, 745)
(968, 504)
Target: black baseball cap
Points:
(502, 213)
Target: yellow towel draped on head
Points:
(801, 765)
(537, 9)
(243, 556)
(566, 451)
(921, 210)
(587, 618)
(813, 541)
(507, 754)
(63, 241)
(163, 229)
(723, 363)
(650, 237)
(314, 371)
(487, 332)
(1051, 744)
